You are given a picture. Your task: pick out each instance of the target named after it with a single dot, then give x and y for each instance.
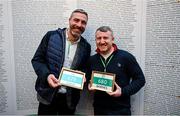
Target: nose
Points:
(79, 24)
(102, 41)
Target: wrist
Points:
(49, 76)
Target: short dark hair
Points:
(104, 29)
(79, 11)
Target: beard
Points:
(75, 33)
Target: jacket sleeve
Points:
(39, 62)
(138, 80)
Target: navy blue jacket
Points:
(49, 59)
(129, 77)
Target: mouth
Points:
(77, 30)
(102, 47)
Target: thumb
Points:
(53, 78)
(117, 86)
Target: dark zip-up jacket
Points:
(49, 59)
(129, 77)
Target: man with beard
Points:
(60, 48)
(129, 77)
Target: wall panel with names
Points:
(162, 63)
(22, 26)
(7, 94)
(30, 22)
(124, 17)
